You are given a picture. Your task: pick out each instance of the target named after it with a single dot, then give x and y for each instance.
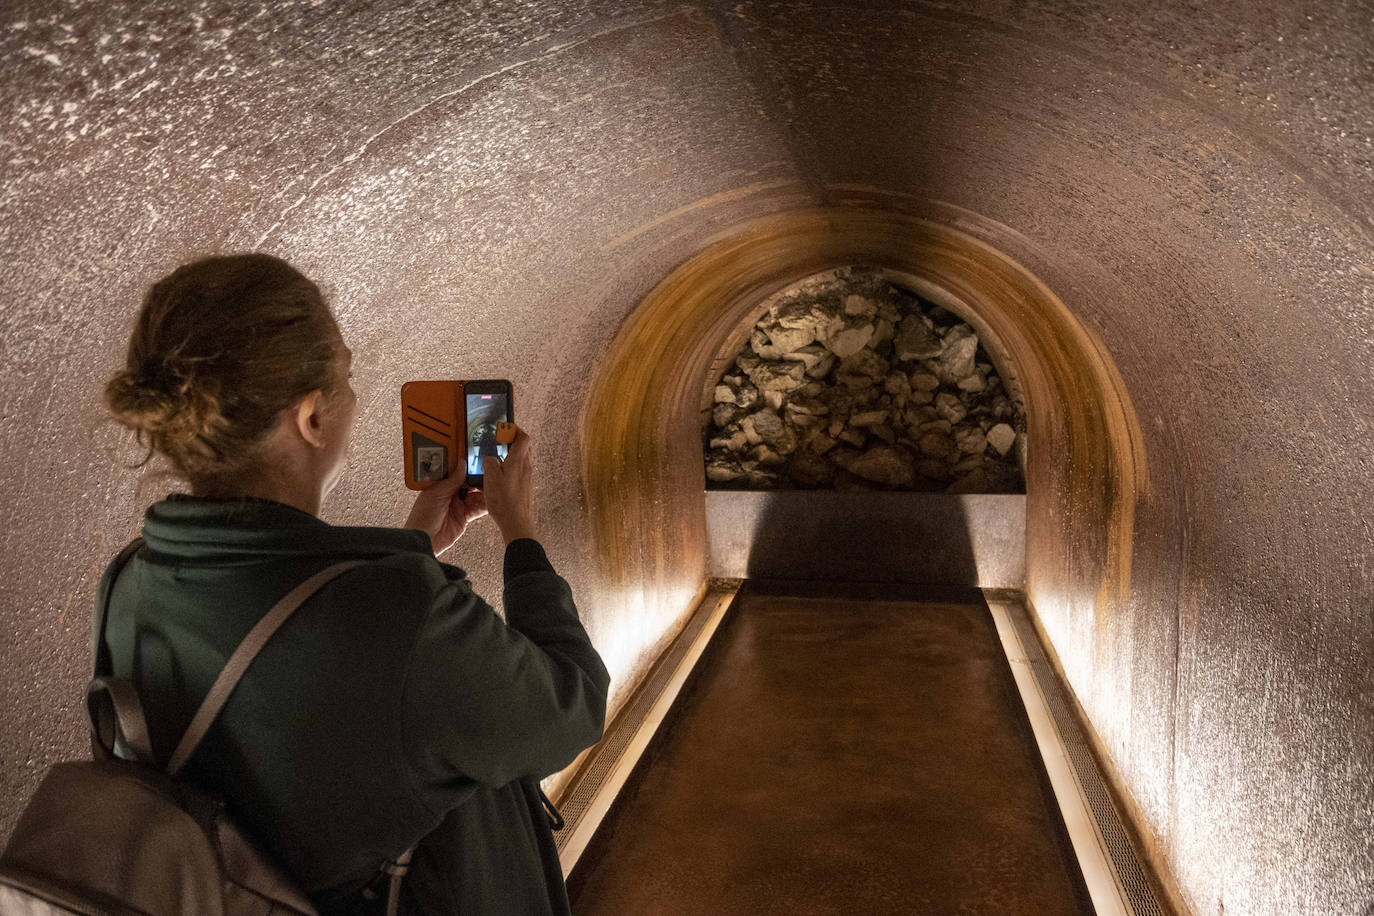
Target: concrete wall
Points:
(491, 191)
(867, 536)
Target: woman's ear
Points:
(309, 417)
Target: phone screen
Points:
(484, 412)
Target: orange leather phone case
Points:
(433, 430)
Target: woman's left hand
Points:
(442, 514)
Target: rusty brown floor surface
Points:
(834, 755)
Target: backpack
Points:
(115, 836)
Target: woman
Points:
(394, 706)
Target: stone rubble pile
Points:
(858, 384)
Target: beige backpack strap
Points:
(397, 870)
(127, 725)
(243, 656)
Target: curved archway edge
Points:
(641, 449)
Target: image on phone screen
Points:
(484, 412)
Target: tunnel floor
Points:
(855, 750)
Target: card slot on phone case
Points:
(432, 430)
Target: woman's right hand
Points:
(509, 489)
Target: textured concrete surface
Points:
(492, 191)
(867, 536)
(839, 756)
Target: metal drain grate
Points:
(1130, 874)
(576, 801)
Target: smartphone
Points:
(488, 404)
(432, 430)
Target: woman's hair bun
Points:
(219, 348)
(164, 399)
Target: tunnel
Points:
(1163, 213)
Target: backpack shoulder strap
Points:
(100, 652)
(243, 656)
(110, 706)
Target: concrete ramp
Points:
(840, 749)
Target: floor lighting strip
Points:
(1112, 870)
(585, 803)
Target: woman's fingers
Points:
(509, 489)
(519, 447)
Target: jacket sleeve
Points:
(492, 700)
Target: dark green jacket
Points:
(393, 705)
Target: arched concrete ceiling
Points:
(491, 190)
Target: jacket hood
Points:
(244, 528)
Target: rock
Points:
(773, 399)
(836, 426)
(970, 440)
(777, 376)
(852, 436)
(936, 426)
(967, 463)
(884, 432)
(790, 340)
(913, 417)
(810, 389)
(860, 305)
(883, 464)
(733, 389)
(950, 407)
(735, 442)
(822, 368)
(762, 480)
(957, 352)
(889, 312)
(761, 345)
(751, 435)
(816, 358)
(919, 397)
(863, 369)
(724, 470)
(973, 383)
(801, 313)
(936, 445)
(1001, 437)
(722, 415)
(1001, 407)
(868, 418)
(914, 340)
(804, 406)
(897, 384)
(746, 361)
(766, 456)
(846, 337)
(924, 381)
(820, 443)
(770, 429)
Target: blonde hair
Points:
(220, 347)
